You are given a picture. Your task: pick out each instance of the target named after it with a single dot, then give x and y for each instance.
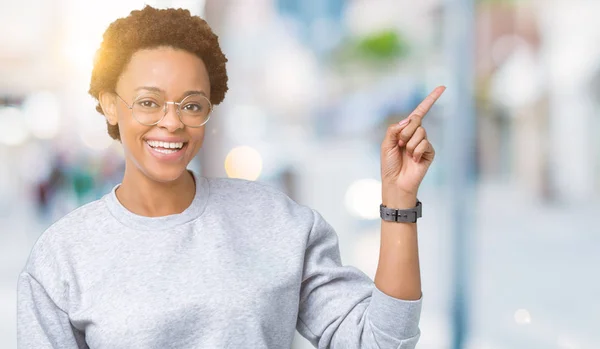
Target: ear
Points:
(108, 102)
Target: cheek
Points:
(197, 136)
(131, 133)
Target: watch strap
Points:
(401, 216)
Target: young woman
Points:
(171, 259)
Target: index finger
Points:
(424, 107)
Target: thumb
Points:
(392, 136)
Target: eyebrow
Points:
(156, 89)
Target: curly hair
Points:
(150, 28)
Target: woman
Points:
(170, 259)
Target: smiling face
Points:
(160, 152)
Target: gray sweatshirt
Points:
(244, 266)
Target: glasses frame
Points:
(165, 111)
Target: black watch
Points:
(401, 216)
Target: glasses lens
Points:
(195, 110)
(148, 109)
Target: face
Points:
(171, 75)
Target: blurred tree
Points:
(385, 45)
(377, 49)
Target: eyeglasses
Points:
(149, 109)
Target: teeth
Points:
(165, 151)
(166, 145)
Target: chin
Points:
(164, 174)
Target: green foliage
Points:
(377, 48)
(383, 45)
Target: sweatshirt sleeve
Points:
(340, 307)
(40, 322)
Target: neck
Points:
(146, 197)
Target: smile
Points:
(166, 150)
(165, 147)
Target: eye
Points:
(193, 107)
(148, 104)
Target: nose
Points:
(171, 122)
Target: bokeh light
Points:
(522, 317)
(243, 162)
(363, 198)
(13, 130)
(42, 114)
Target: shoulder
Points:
(50, 258)
(241, 189)
(244, 185)
(256, 197)
(62, 234)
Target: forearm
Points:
(406, 155)
(398, 272)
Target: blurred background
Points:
(509, 240)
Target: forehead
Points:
(171, 70)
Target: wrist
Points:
(394, 199)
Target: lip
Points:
(166, 139)
(176, 156)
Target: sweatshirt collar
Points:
(135, 221)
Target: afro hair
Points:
(150, 28)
